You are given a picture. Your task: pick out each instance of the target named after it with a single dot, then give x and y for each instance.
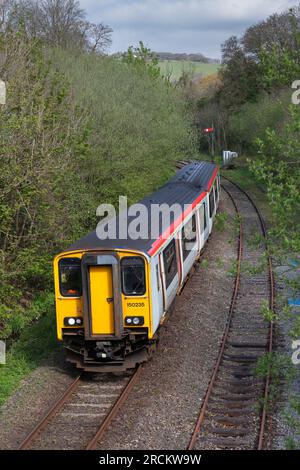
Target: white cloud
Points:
(180, 25)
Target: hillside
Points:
(176, 68)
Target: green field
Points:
(177, 67)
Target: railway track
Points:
(230, 417)
(80, 417)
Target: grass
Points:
(177, 67)
(36, 342)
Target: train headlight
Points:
(73, 321)
(134, 320)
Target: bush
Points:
(139, 125)
(253, 119)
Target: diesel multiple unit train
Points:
(112, 295)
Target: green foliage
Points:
(279, 67)
(268, 314)
(247, 124)
(23, 310)
(204, 263)
(36, 342)
(42, 135)
(142, 59)
(140, 126)
(221, 221)
(232, 271)
(241, 79)
(257, 70)
(278, 367)
(278, 168)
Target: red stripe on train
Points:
(160, 241)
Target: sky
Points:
(179, 25)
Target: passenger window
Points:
(70, 277)
(133, 275)
(211, 203)
(189, 237)
(170, 262)
(217, 191)
(203, 220)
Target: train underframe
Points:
(109, 354)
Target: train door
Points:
(101, 300)
(212, 207)
(217, 191)
(204, 226)
(157, 291)
(170, 272)
(189, 244)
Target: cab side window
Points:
(133, 275)
(70, 284)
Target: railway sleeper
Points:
(226, 443)
(231, 403)
(237, 412)
(231, 420)
(224, 395)
(237, 383)
(239, 432)
(241, 359)
(250, 345)
(237, 390)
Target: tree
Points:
(239, 73)
(144, 58)
(55, 22)
(99, 37)
(279, 31)
(5, 11)
(59, 22)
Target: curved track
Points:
(82, 414)
(230, 417)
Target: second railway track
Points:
(233, 413)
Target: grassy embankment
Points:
(105, 129)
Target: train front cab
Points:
(103, 307)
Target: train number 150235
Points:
(136, 304)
